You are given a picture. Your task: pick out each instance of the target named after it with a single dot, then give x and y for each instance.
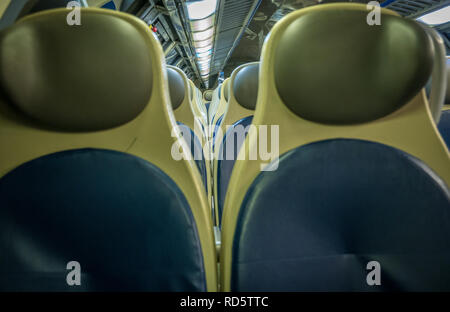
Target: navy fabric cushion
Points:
(331, 208)
(196, 149)
(123, 219)
(225, 163)
(444, 126)
(109, 5)
(216, 126)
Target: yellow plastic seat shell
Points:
(222, 105)
(232, 112)
(147, 136)
(213, 104)
(185, 112)
(393, 130)
(3, 6)
(198, 109)
(186, 115)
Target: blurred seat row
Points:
(114, 160)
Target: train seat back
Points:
(360, 162)
(245, 91)
(190, 126)
(221, 104)
(198, 108)
(86, 174)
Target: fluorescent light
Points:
(204, 61)
(203, 54)
(201, 9)
(203, 49)
(437, 17)
(204, 68)
(202, 24)
(204, 43)
(201, 63)
(203, 35)
(201, 14)
(204, 58)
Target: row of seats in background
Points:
(362, 175)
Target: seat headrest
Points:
(245, 86)
(208, 95)
(76, 78)
(226, 91)
(331, 67)
(176, 87)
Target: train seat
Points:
(91, 199)
(197, 106)
(220, 110)
(239, 116)
(361, 185)
(222, 103)
(242, 83)
(190, 126)
(444, 123)
(214, 104)
(207, 98)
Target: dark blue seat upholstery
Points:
(109, 5)
(225, 164)
(216, 127)
(444, 126)
(124, 220)
(444, 122)
(332, 207)
(196, 151)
